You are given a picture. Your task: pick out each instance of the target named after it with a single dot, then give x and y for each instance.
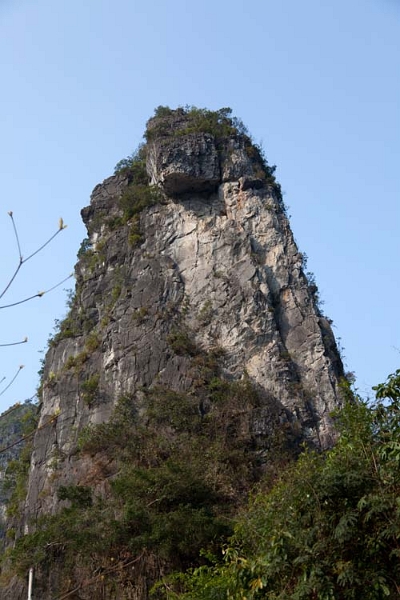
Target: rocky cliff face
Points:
(17, 422)
(191, 256)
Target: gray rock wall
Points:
(216, 257)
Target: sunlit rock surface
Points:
(216, 256)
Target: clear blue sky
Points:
(316, 82)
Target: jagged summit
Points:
(197, 150)
(194, 342)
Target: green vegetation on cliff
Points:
(198, 473)
(17, 425)
(328, 529)
(325, 527)
(170, 123)
(178, 474)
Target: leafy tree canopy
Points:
(328, 529)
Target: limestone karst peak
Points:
(193, 345)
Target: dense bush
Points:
(138, 195)
(218, 123)
(329, 529)
(134, 165)
(182, 465)
(19, 425)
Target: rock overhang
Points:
(185, 163)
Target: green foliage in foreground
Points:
(182, 464)
(329, 529)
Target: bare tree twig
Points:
(14, 343)
(90, 582)
(32, 433)
(12, 380)
(38, 295)
(23, 260)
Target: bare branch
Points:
(58, 284)
(16, 235)
(38, 295)
(22, 261)
(119, 566)
(43, 245)
(52, 420)
(12, 380)
(14, 343)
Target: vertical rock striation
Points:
(202, 258)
